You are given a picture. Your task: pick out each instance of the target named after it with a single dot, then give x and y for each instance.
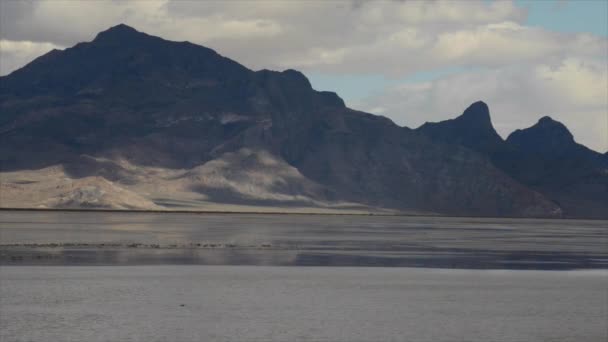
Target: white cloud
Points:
(15, 53)
(412, 50)
(572, 91)
(264, 34)
(580, 82)
(521, 71)
(394, 38)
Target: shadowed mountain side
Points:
(544, 157)
(473, 129)
(370, 159)
(552, 154)
(150, 111)
(550, 160)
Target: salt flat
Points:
(72, 276)
(240, 303)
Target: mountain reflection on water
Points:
(86, 238)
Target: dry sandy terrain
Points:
(243, 181)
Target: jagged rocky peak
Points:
(289, 76)
(472, 129)
(300, 80)
(298, 77)
(475, 117)
(293, 87)
(550, 126)
(477, 114)
(546, 132)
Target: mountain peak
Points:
(297, 76)
(120, 32)
(121, 28)
(546, 132)
(553, 128)
(477, 112)
(548, 122)
(477, 118)
(472, 129)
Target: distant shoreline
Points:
(316, 213)
(202, 212)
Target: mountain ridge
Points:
(167, 107)
(544, 157)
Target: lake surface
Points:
(85, 276)
(109, 238)
(239, 303)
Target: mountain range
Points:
(133, 121)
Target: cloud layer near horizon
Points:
(522, 72)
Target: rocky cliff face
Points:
(543, 157)
(473, 129)
(172, 109)
(548, 159)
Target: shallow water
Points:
(162, 285)
(88, 238)
(239, 303)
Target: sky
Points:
(411, 61)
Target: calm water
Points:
(350, 304)
(76, 238)
(172, 277)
